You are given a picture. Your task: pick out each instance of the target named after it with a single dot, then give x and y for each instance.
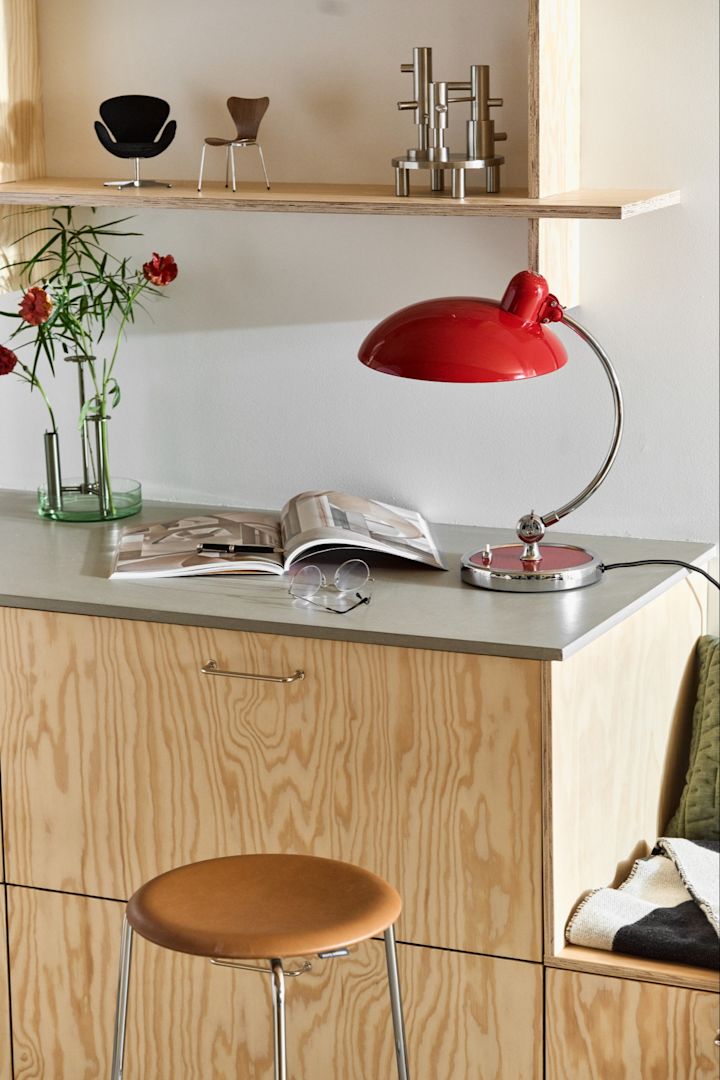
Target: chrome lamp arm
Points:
(531, 527)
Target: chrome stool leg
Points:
(262, 162)
(232, 165)
(278, 981)
(122, 1000)
(202, 166)
(396, 1004)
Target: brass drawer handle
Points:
(211, 668)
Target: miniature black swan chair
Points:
(134, 121)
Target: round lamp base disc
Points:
(562, 566)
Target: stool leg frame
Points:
(122, 1000)
(278, 1000)
(396, 1004)
(279, 1040)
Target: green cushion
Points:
(698, 814)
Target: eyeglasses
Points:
(348, 589)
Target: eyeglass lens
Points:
(307, 581)
(352, 575)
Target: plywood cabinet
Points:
(619, 1029)
(463, 779)
(123, 760)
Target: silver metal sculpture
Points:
(431, 106)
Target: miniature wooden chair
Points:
(247, 114)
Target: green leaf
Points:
(114, 391)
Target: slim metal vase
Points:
(53, 472)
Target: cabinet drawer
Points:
(467, 1016)
(602, 1028)
(122, 760)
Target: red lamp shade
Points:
(464, 339)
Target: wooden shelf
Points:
(599, 962)
(612, 204)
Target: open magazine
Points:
(255, 542)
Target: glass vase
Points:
(96, 496)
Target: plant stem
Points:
(126, 315)
(34, 381)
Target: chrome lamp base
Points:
(554, 567)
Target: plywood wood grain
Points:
(609, 203)
(616, 709)
(465, 1015)
(21, 131)
(616, 1029)
(554, 138)
(122, 760)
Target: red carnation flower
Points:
(8, 360)
(35, 306)
(161, 270)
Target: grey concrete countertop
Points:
(53, 566)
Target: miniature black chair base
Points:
(136, 182)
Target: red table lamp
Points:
(465, 339)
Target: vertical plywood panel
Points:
(618, 707)
(467, 1016)
(5, 1052)
(554, 138)
(22, 153)
(617, 1029)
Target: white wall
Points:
(245, 387)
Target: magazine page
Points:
(201, 544)
(317, 519)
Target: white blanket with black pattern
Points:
(667, 909)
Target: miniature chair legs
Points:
(278, 1000)
(230, 162)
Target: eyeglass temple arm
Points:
(555, 515)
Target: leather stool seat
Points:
(259, 906)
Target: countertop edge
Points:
(262, 626)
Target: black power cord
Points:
(661, 562)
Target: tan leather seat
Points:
(263, 906)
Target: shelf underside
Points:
(613, 204)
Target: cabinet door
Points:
(5, 1054)
(123, 760)
(467, 1016)
(617, 1029)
